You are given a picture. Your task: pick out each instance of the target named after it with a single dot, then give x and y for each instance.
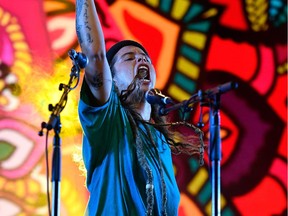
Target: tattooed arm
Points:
(91, 40)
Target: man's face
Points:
(130, 61)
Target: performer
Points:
(126, 147)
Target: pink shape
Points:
(278, 97)
(279, 170)
(6, 49)
(264, 80)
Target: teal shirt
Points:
(115, 180)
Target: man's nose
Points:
(141, 58)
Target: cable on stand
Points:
(79, 62)
(210, 98)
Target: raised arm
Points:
(90, 36)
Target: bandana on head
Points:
(116, 47)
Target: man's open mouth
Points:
(143, 72)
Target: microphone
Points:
(222, 88)
(79, 58)
(155, 96)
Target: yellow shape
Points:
(20, 45)
(34, 187)
(13, 28)
(179, 8)
(71, 198)
(51, 6)
(177, 93)
(25, 56)
(5, 19)
(17, 36)
(223, 201)
(187, 67)
(153, 3)
(169, 31)
(15, 187)
(208, 207)
(1, 12)
(22, 69)
(23, 65)
(2, 180)
(262, 19)
(195, 39)
(3, 101)
(281, 69)
(210, 13)
(2, 84)
(259, 4)
(20, 188)
(198, 181)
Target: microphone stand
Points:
(215, 154)
(55, 124)
(56, 169)
(210, 97)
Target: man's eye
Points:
(129, 59)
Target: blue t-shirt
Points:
(115, 179)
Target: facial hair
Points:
(137, 96)
(133, 94)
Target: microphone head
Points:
(155, 96)
(72, 54)
(78, 58)
(151, 96)
(82, 60)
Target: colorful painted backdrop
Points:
(194, 45)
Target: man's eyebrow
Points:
(133, 53)
(127, 53)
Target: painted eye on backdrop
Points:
(20, 148)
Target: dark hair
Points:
(116, 47)
(135, 120)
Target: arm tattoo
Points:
(97, 80)
(83, 5)
(87, 25)
(89, 38)
(79, 4)
(78, 28)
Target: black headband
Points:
(116, 47)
